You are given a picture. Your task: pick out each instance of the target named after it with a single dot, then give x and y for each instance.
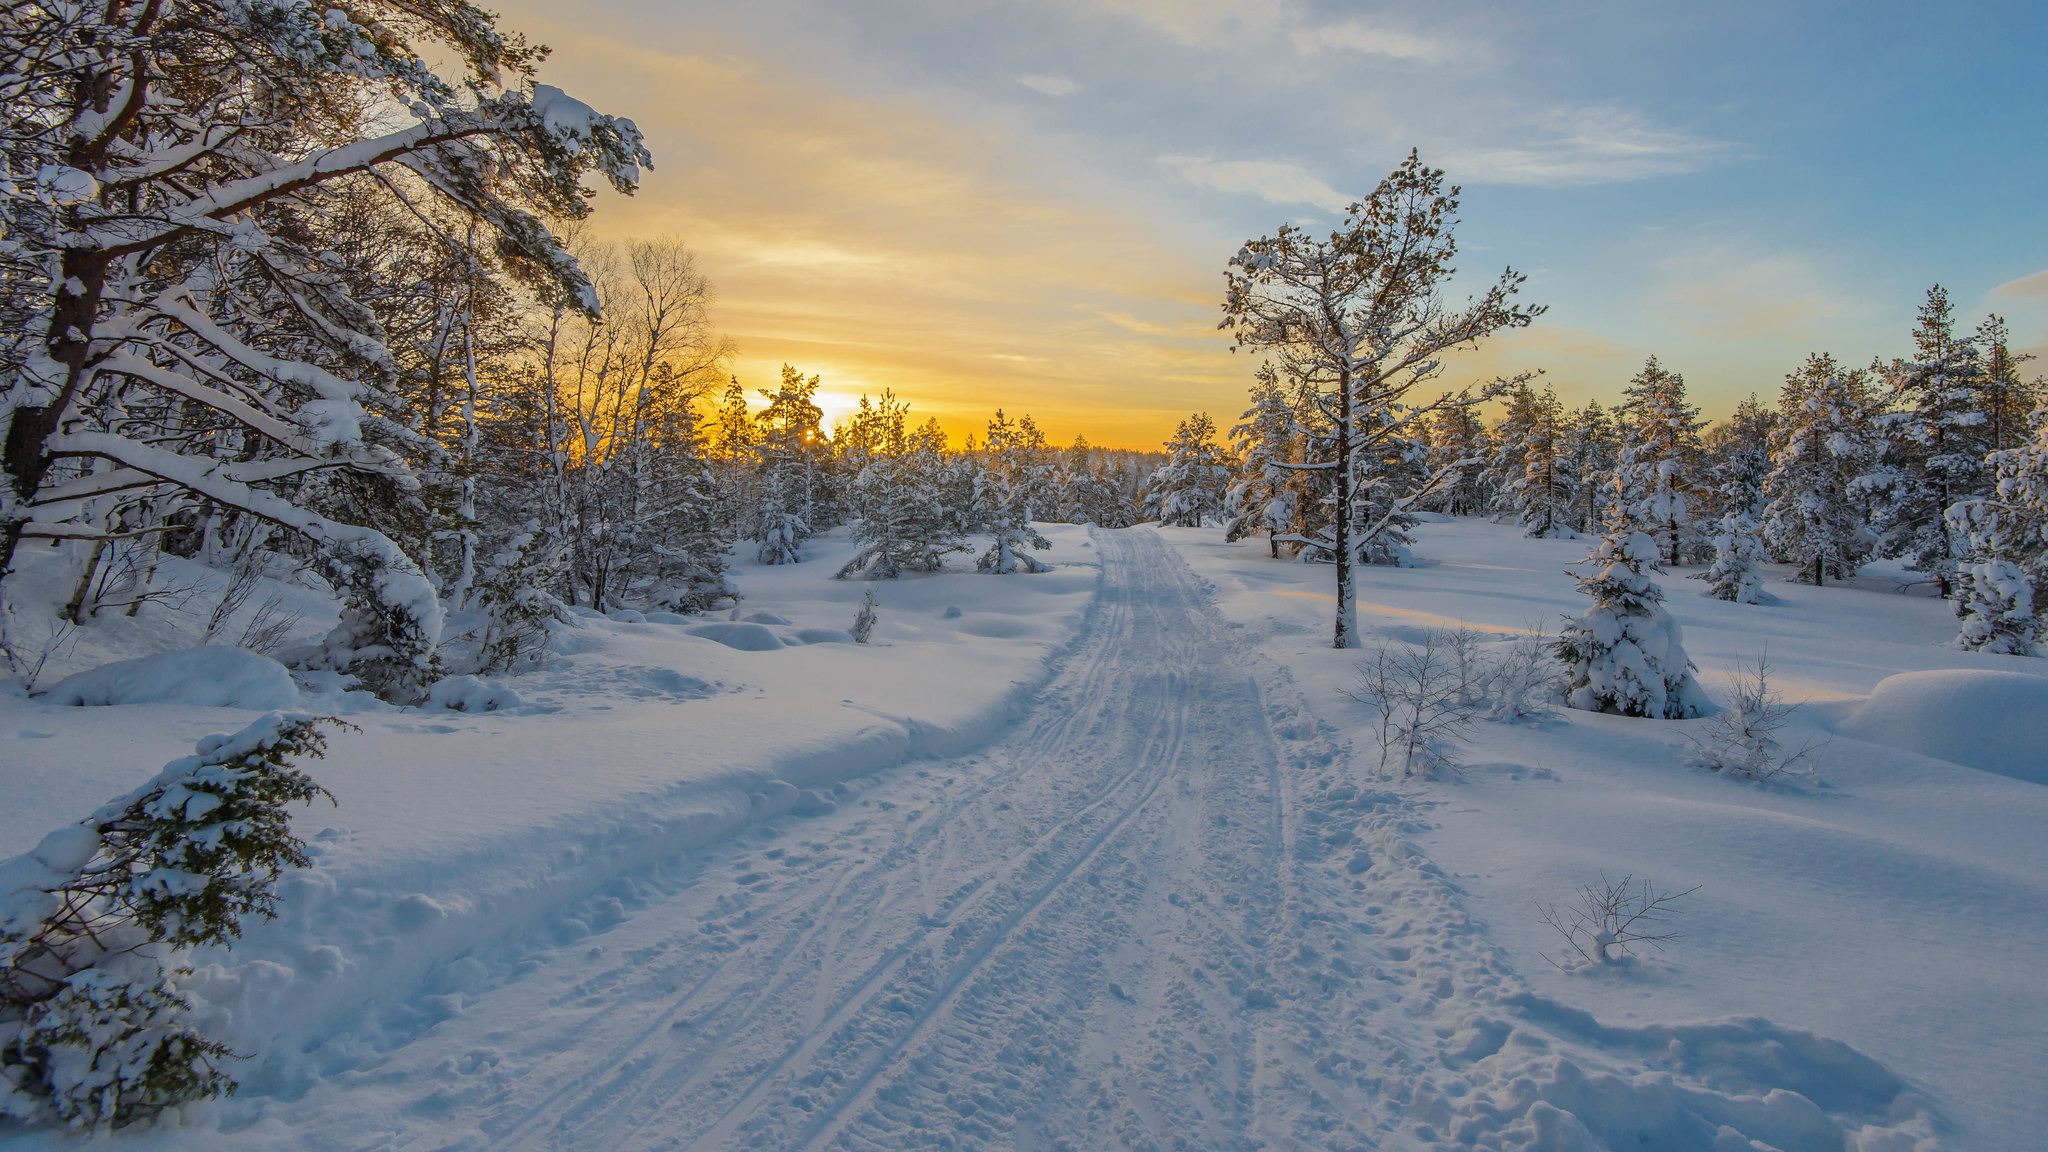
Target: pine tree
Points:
(1002, 501)
(1737, 571)
(1544, 492)
(894, 492)
(1267, 439)
(1592, 448)
(1361, 316)
(1657, 475)
(1460, 444)
(1188, 490)
(792, 447)
(1508, 463)
(1739, 456)
(1822, 444)
(2007, 400)
(1994, 595)
(1626, 655)
(1935, 442)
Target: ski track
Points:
(1159, 912)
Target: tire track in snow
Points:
(1157, 912)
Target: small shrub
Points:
(1419, 695)
(864, 622)
(1611, 917)
(1741, 741)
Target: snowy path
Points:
(1157, 912)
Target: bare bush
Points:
(242, 581)
(269, 626)
(1419, 695)
(1611, 917)
(1742, 742)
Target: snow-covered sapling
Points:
(864, 623)
(1626, 654)
(1611, 917)
(1742, 739)
(1737, 571)
(93, 1028)
(1419, 697)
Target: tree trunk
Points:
(1819, 572)
(1347, 601)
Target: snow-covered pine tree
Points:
(1994, 596)
(1935, 443)
(1506, 465)
(1658, 473)
(733, 444)
(1267, 437)
(1739, 456)
(2003, 584)
(1626, 654)
(1737, 571)
(1822, 444)
(1592, 448)
(1003, 504)
(1545, 490)
(1188, 490)
(893, 491)
(1361, 317)
(2007, 400)
(187, 336)
(1459, 443)
(792, 448)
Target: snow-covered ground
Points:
(798, 893)
(1898, 903)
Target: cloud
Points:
(1353, 36)
(2034, 287)
(1050, 83)
(1271, 181)
(879, 243)
(1592, 145)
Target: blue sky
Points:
(1031, 204)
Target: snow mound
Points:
(744, 637)
(211, 677)
(470, 694)
(1996, 721)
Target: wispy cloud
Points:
(2034, 287)
(1354, 36)
(1050, 83)
(1592, 145)
(1271, 181)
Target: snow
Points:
(1097, 856)
(1997, 721)
(210, 677)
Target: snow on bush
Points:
(93, 1028)
(210, 677)
(1626, 655)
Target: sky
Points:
(1030, 205)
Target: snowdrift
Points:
(211, 677)
(1996, 721)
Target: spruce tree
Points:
(1460, 445)
(1003, 501)
(1544, 492)
(1823, 443)
(1935, 443)
(1267, 439)
(1658, 473)
(1626, 655)
(1188, 490)
(1592, 448)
